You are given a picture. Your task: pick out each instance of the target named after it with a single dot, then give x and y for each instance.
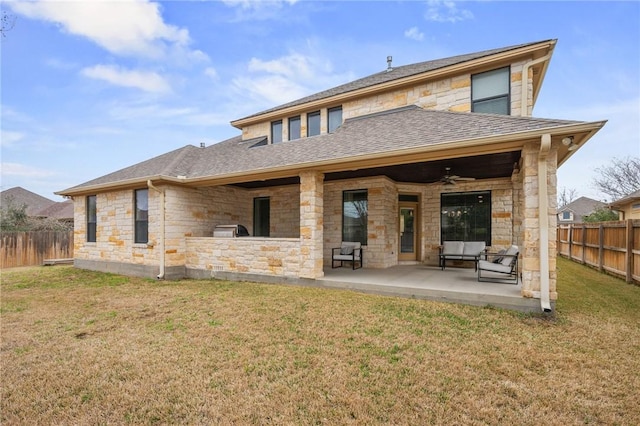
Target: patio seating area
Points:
(457, 285)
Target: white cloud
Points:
(17, 169)
(414, 34)
(10, 138)
(147, 81)
(133, 27)
(211, 73)
(285, 79)
(446, 11)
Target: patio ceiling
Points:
(488, 166)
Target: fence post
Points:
(629, 253)
(584, 244)
(570, 238)
(601, 247)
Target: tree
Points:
(6, 23)
(13, 217)
(566, 196)
(601, 215)
(620, 178)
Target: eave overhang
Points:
(439, 151)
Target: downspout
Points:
(525, 84)
(162, 236)
(543, 213)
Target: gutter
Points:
(162, 229)
(525, 87)
(543, 222)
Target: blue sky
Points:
(91, 87)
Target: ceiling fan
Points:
(449, 179)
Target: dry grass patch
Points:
(80, 347)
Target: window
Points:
(261, 214)
(276, 131)
(635, 206)
(490, 91)
(466, 216)
(313, 123)
(294, 128)
(355, 216)
(566, 215)
(92, 219)
(142, 216)
(335, 118)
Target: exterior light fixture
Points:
(568, 142)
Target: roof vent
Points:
(389, 60)
(201, 144)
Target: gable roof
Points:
(19, 196)
(400, 135)
(583, 206)
(634, 196)
(395, 74)
(61, 210)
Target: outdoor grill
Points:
(230, 231)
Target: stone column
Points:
(530, 246)
(311, 224)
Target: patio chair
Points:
(502, 267)
(347, 252)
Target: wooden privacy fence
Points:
(609, 246)
(32, 248)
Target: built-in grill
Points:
(230, 231)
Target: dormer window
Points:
(313, 123)
(490, 91)
(276, 131)
(335, 118)
(294, 128)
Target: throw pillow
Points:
(346, 250)
(499, 257)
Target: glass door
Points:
(408, 233)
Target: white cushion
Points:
(474, 248)
(508, 258)
(452, 247)
(494, 267)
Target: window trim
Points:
(329, 111)
(274, 131)
(309, 116)
(256, 201)
(92, 219)
(494, 97)
(487, 197)
(137, 223)
(364, 239)
(289, 121)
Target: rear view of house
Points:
(398, 161)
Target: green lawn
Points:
(81, 347)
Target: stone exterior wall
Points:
(254, 255)
(284, 204)
(449, 94)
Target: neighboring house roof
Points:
(622, 202)
(396, 73)
(583, 206)
(403, 131)
(19, 196)
(61, 211)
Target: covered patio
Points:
(455, 285)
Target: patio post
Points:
(311, 224)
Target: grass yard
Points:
(81, 347)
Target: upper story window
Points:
(92, 219)
(566, 215)
(276, 131)
(313, 123)
(142, 216)
(490, 91)
(335, 118)
(294, 128)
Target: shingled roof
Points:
(387, 133)
(396, 73)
